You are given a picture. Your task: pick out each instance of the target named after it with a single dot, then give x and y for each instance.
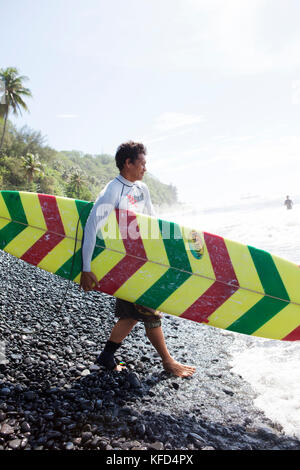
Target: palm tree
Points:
(14, 91)
(32, 165)
(77, 183)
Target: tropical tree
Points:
(32, 166)
(77, 182)
(14, 91)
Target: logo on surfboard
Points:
(196, 244)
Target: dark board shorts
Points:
(151, 318)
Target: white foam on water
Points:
(271, 367)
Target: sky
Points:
(211, 87)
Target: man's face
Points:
(138, 168)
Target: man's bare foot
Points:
(180, 370)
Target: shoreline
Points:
(53, 396)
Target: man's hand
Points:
(88, 281)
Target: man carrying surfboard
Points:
(126, 191)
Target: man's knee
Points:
(149, 325)
(128, 321)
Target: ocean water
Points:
(271, 367)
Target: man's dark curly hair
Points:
(130, 150)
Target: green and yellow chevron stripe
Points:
(159, 264)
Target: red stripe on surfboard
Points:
(220, 259)
(49, 240)
(219, 292)
(130, 233)
(116, 277)
(212, 299)
(51, 214)
(41, 248)
(293, 335)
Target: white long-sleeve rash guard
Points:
(117, 194)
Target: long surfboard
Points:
(178, 270)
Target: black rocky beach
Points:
(54, 396)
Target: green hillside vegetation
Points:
(28, 164)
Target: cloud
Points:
(170, 125)
(169, 121)
(233, 140)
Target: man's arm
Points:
(148, 203)
(97, 218)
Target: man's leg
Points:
(156, 336)
(121, 329)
